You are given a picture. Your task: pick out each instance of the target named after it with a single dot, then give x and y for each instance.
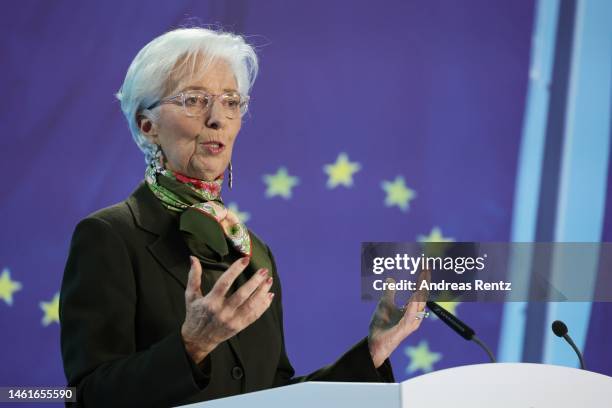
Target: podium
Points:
(501, 385)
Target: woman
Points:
(167, 298)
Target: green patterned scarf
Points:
(205, 222)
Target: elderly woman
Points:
(167, 298)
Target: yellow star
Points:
(437, 240)
(397, 193)
(341, 172)
(8, 286)
(421, 358)
(435, 236)
(51, 310)
(242, 215)
(280, 184)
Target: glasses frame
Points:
(244, 102)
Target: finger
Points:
(194, 280)
(424, 276)
(247, 289)
(389, 294)
(228, 277)
(422, 293)
(411, 308)
(420, 299)
(413, 305)
(258, 303)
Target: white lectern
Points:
(501, 385)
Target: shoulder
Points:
(115, 214)
(111, 228)
(125, 217)
(105, 229)
(117, 218)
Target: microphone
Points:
(560, 330)
(458, 326)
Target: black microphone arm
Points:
(560, 330)
(458, 326)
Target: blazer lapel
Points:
(259, 258)
(174, 258)
(169, 248)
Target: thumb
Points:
(389, 294)
(194, 281)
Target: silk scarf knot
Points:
(182, 194)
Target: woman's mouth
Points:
(214, 148)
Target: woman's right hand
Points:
(214, 318)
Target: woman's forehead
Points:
(209, 74)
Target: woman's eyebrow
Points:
(203, 88)
(194, 87)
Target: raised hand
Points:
(390, 325)
(214, 318)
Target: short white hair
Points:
(147, 77)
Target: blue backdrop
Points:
(427, 99)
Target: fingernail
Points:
(269, 280)
(245, 260)
(263, 272)
(271, 295)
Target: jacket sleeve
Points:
(97, 313)
(355, 365)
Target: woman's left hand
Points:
(390, 325)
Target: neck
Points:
(188, 179)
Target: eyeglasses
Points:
(197, 103)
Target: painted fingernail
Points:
(245, 260)
(271, 295)
(263, 272)
(269, 281)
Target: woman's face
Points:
(198, 147)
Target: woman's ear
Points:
(147, 127)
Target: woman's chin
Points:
(207, 174)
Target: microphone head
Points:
(559, 328)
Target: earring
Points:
(230, 180)
(158, 158)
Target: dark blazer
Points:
(122, 305)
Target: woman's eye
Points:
(195, 101)
(232, 102)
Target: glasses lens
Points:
(196, 103)
(232, 104)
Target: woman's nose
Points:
(215, 118)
